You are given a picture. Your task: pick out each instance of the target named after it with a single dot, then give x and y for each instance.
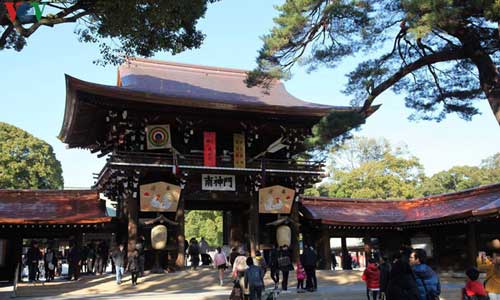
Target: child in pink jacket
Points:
(301, 276)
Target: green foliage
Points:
(27, 162)
(463, 177)
(369, 168)
(204, 223)
(120, 28)
(441, 53)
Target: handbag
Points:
(51, 266)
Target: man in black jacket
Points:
(32, 258)
(385, 271)
(309, 259)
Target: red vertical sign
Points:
(209, 149)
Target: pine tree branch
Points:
(446, 55)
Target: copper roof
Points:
(145, 83)
(205, 84)
(51, 207)
(483, 200)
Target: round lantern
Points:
(159, 237)
(283, 235)
(495, 244)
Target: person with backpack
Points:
(254, 280)
(309, 259)
(371, 276)
(492, 268)
(429, 287)
(260, 261)
(474, 290)
(284, 265)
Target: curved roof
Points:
(51, 207)
(144, 84)
(484, 200)
(205, 84)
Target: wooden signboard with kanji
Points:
(209, 149)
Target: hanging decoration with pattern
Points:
(209, 149)
(239, 150)
(158, 137)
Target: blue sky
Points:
(33, 91)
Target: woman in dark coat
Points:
(402, 284)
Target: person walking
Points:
(285, 265)
(273, 266)
(371, 276)
(254, 280)
(220, 264)
(492, 268)
(194, 253)
(133, 266)
(429, 287)
(118, 258)
(473, 290)
(91, 258)
(309, 259)
(239, 268)
(260, 261)
(402, 284)
(139, 246)
(74, 262)
(101, 258)
(205, 258)
(385, 271)
(33, 256)
(301, 275)
(232, 256)
(50, 263)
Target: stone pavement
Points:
(198, 285)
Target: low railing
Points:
(221, 161)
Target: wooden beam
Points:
(181, 252)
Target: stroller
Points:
(272, 295)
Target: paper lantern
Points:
(495, 244)
(159, 237)
(283, 235)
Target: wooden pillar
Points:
(343, 242)
(226, 227)
(436, 248)
(471, 244)
(324, 248)
(253, 225)
(295, 232)
(132, 214)
(180, 261)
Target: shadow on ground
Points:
(202, 284)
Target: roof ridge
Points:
(192, 67)
(443, 197)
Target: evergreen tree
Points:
(27, 162)
(442, 53)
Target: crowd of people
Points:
(91, 259)
(408, 277)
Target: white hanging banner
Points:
(218, 182)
